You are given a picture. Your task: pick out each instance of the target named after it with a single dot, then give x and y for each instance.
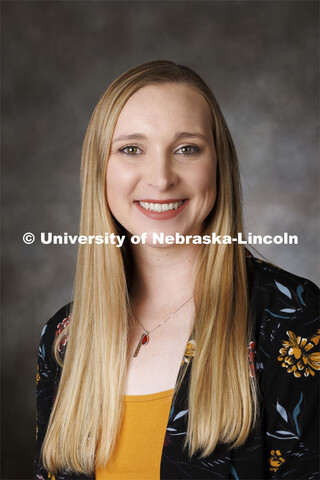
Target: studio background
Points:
(261, 60)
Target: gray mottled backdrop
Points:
(259, 57)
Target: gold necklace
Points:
(144, 339)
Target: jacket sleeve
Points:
(46, 374)
(291, 389)
(47, 382)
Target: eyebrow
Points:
(138, 136)
(141, 136)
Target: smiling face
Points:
(161, 173)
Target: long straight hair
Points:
(87, 412)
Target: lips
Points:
(161, 209)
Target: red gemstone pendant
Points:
(144, 340)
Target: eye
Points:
(131, 150)
(188, 150)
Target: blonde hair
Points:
(87, 411)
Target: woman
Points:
(159, 376)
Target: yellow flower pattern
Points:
(37, 375)
(298, 356)
(189, 352)
(275, 460)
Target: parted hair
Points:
(88, 408)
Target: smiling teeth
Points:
(161, 207)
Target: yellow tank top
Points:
(138, 451)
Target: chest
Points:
(157, 364)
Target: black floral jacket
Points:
(283, 354)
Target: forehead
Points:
(166, 105)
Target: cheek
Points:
(110, 192)
(206, 185)
(120, 182)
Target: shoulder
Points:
(51, 330)
(270, 281)
(285, 310)
(278, 292)
(56, 324)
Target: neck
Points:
(164, 275)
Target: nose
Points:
(161, 173)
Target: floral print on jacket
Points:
(298, 354)
(284, 356)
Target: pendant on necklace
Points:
(144, 340)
